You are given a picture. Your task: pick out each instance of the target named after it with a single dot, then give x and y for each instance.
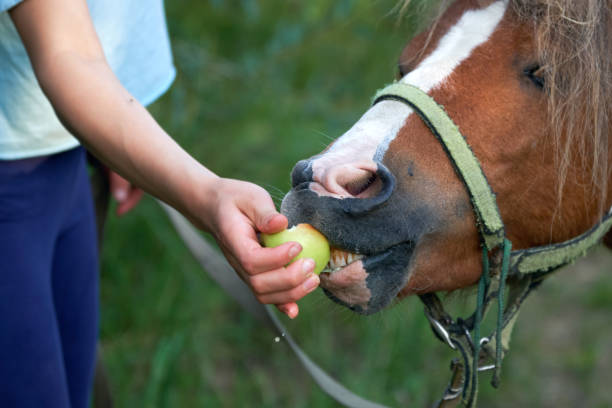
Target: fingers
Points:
(285, 285)
(133, 198)
(290, 309)
(259, 259)
(283, 278)
(241, 211)
(282, 287)
(264, 271)
(292, 295)
(240, 239)
(127, 195)
(119, 186)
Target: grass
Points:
(261, 85)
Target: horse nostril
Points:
(352, 180)
(301, 173)
(367, 186)
(377, 190)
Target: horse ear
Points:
(608, 240)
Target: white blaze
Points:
(370, 137)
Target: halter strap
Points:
(546, 259)
(526, 267)
(467, 166)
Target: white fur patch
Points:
(473, 29)
(370, 137)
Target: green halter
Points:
(524, 269)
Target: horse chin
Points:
(369, 283)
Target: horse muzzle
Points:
(371, 235)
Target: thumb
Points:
(272, 222)
(262, 212)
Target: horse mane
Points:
(574, 45)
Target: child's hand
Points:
(240, 209)
(126, 194)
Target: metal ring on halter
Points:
(484, 341)
(440, 330)
(467, 334)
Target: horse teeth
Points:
(339, 259)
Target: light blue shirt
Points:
(134, 36)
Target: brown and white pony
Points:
(529, 84)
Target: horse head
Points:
(385, 194)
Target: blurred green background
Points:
(260, 85)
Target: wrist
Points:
(204, 201)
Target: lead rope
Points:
(500, 312)
(483, 286)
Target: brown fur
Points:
(543, 197)
(573, 43)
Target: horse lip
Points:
(364, 256)
(388, 251)
(370, 252)
(302, 186)
(385, 275)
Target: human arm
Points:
(69, 63)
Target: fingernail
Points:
(269, 218)
(308, 265)
(120, 195)
(311, 283)
(294, 251)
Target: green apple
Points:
(314, 244)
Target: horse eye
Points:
(536, 74)
(404, 68)
(400, 72)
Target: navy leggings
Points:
(48, 282)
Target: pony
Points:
(528, 83)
